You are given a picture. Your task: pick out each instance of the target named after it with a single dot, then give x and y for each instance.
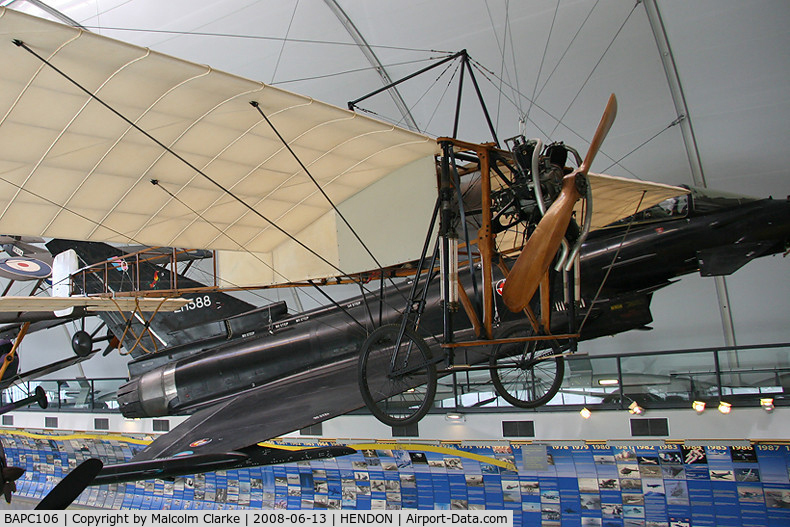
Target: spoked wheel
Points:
(523, 375)
(397, 385)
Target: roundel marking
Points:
(25, 268)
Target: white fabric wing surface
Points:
(70, 168)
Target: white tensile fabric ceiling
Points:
(551, 64)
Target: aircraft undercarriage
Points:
(398, 371)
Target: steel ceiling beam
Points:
(374, 61)
(690, 142)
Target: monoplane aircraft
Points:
(128, 146)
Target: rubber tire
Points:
(374, 357)
(502, 378)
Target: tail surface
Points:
(203, 318)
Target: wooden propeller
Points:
(539, 251)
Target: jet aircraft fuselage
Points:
(212, 358)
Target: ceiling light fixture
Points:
(455, 417)
(585, 413)
(767, 403)
(725, 408)
(608, 382)
(699, 406)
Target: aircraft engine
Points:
(517, 202)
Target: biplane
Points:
(113, 143)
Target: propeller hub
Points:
(581, 184)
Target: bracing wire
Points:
(542, 59)
(567, 48)
(488, 73)
(264, 37)
(592, 71)
(425, 94)
(285, 41)
(670, 125)
(611, 266)
(180, 158)
(354, 70)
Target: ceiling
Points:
(550, 64)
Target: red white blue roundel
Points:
(499, 286)
(18, 268)
(200, 442)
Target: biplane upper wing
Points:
(172, 153)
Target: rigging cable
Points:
(444, 92)
(355, 70)
(542, 59)
(285, 40)
(173, 196)
(562, 57)
(320, 189)
(176, 155)
(617, 33)
(611, 266)
(503, 52)
(670, 125)
(261, 37)
(486, 72)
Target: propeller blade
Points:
(71, 486)
(538, 253)
(607, 119)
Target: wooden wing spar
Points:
(74, 167)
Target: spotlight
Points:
(767, 404)
(455, 417)
(635, 409)
(608, 382)
(585, 413)
(699, 406)
(725, 408)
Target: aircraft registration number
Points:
(196, 303)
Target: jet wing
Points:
(722, 261)
(252, 456)
(171, 153)
(262, 413)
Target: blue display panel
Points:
(575, 485)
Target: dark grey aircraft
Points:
(247, 374)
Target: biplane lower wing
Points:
(262, 413)
(89, 303)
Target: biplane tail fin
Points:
(119, 272)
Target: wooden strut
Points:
(486, 247)
(146, 327)
(510, 340)
(9, 357)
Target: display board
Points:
(574, 484)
